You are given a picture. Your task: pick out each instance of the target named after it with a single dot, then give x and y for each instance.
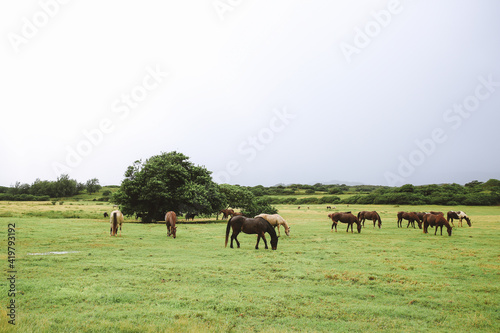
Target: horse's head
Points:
(274, 243)
(449, 230)
(359, 227)
(174, 232)
(468, 221)
(287, 231)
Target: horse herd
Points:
(432, 219)
(266, 223)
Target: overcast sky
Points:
(259, 92)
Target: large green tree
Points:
(168, 181)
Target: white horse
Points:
(115, 219)
(462, 215)
(276, 220)
(458, 215)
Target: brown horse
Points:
(170, 220)
(436, 221)
(458, 216)
(257, 226)
(116, 220)
(226, 213)
(411, 217)
(373, 216)
(348, 218)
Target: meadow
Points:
(389, 279)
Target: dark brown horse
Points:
(257, 226)
(190, 216)
(436, 221)
(373, 216)
(170, 220)
(411, 217)
(458, 216)
(348, 218)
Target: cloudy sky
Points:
(259, 92)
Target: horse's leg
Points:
(264, 239)
(333, 224)
(279, 233)
(258, 239)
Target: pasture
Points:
(386, 279)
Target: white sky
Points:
(355, 106)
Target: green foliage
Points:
(165, 182)
(62, 187)
(474, 193)
(241, 197)
(93, 186)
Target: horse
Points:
(421, 215)
(170, 220)
(436, 221)
(411, 217)
(370, 216)
(226, 213)
(257, 226)
(190, 216)
(276, 220)
(348, 218)
(116, 220)
(436, 213)
(106, 214)
(459, 216)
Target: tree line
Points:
(474, 193)
(43, 190)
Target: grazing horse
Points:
(276, 220)
(190, 216)
(170, 220)
(106, 214)
(257, 226)
(411, 217)
(116, 220)
(370, 216)
(348, 218)
(458, 216)
(436, 221)
(226, 213)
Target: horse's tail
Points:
(359, 214)
(227, 230)
(115, 223)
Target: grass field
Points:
(389, 279)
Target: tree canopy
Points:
(165, 182)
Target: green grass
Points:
(385, 279)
